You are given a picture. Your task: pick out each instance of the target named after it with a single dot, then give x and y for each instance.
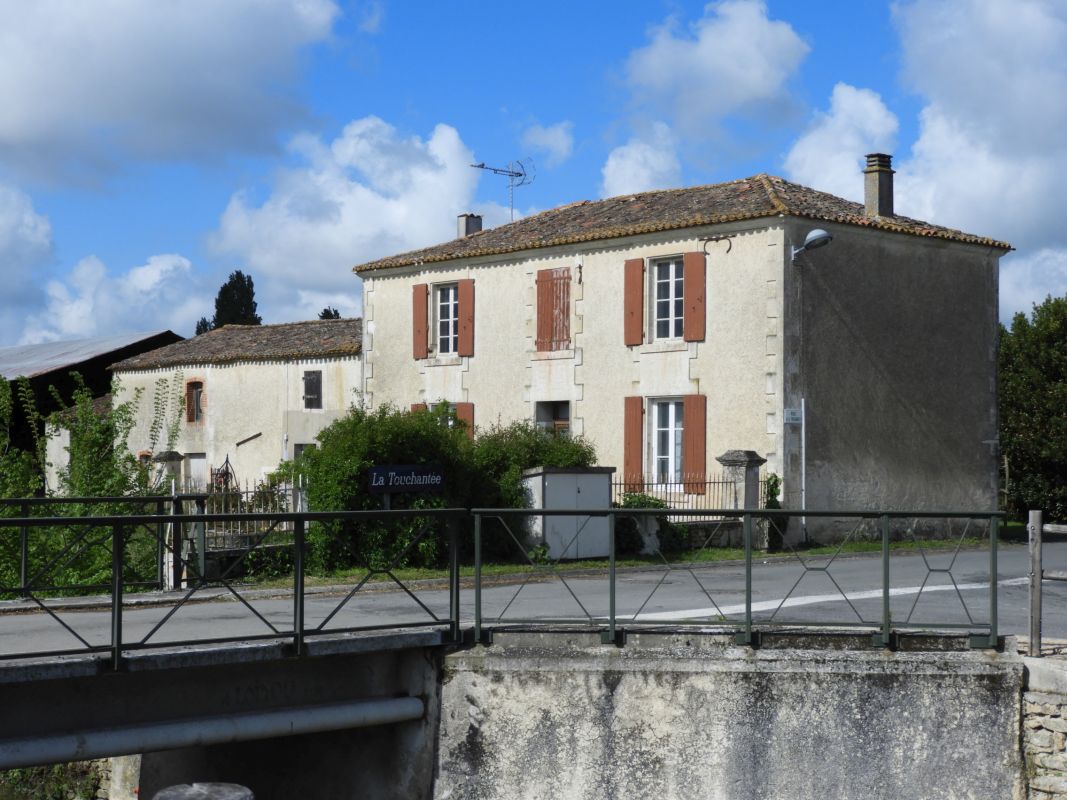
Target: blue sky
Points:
(148, 149)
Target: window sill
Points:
(665, 346)
(551, 355)
(444, 361)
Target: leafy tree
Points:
(329, 313)
(1033, 396)
(20, 475)
(235, 304)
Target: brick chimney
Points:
(878, 185)
(468, 224)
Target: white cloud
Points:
(1026, 279)
(555, 141)
(991, 149)
(91, 302)
(85, 84)
(369, 193)
(25, 247)
(830, 154)
(643, 163)
(734, 60)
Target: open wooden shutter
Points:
(466, 317)
(190, 401)
(420, 301)
(633, 443)
(634, 301)
(418, 406)
(465, 414)
(694, 442)
(694, 282)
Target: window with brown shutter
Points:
(194, 401)
(633, 443)
(466, 317)
(553, 309)
(465, 414)
(634, 301)
(418, 406)
(694, 443)
(694, 280)
(420, 297)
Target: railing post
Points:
(201, 539)
(176, 536)
(24, 551)
(993, 526)
(117, 536)
(298, 586)
(161, 538)
(1033, 530)
(887, 620)
(612, 636)
(745, 637)
(453, 579)
(477, 577)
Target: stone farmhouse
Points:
(672, 326)
(254, 394)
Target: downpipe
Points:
(106, 742)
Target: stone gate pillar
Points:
(742, 467)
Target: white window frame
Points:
(670, 309)
(445, 297)
(674, 430)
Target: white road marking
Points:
(810, 600)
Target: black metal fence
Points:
(663, 588)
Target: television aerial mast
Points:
(518, 173)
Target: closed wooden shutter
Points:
(418, 406)
(634, 301)
(553, 309)
(465, 414)
(694, 282)
(420, 299)
(466, 317)
(694, 442)
(633, 443)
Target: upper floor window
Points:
(446, 317)
(666, 301)
(442, 319)
(194, 401)
(668, 305)
(553, 309)
(313, 389)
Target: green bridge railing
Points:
(119, 583)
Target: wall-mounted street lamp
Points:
(813, 241)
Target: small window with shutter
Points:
(313, 389)
(194, 401)
(553, 309)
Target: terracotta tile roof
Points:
(591, 220)
(230, 343)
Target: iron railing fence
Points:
(135, 622)
(920, 588)
(918, 573)
(689, 493)
(1036, 529)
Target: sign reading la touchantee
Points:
(406, 478)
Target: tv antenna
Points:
(518, 173)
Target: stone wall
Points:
(671, 716)
(1045, 744)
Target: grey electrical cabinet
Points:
(569, 537)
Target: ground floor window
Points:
(666, 435)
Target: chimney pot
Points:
(468, 224)
(878, 185)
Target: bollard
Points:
(205, 791)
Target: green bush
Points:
(338, 476)
(485, 472)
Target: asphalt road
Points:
(846, 591)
